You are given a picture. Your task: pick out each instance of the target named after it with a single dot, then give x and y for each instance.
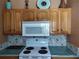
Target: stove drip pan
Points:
(27, 52)
(43, 51)
(43, 48)
(30, 48)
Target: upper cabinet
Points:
(42, 15)
(65, 19)
(54, 18)
(12, 21)
(16, 19)
(60, 19)
(28, 15)
(7, 21)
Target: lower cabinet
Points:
(64, 58)
(9, 57)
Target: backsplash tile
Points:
(4, 45)
(15, 40)
(78, 52)
(12, 40)
(54, 40)
(57, 40)
(72, 47)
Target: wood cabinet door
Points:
(42, 15)
(28, 15)
(54, 16)
(6, 21)
(16, 19)
(60, 19)
(65, 20)
(12, 21)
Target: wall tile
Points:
(58, 40)
(72, 47)
(15, 40)
(78, 51)
(4, 45)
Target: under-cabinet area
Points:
(60, 19)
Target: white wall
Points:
(32, 3)
(18, 4)
(54, 3)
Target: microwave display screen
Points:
(33, 30)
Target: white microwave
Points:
(35, 28)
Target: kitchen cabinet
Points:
(54, 17)
(12, 21)
(42, 15)
(9, 57)
(28, 15)
(35, 15)
(65, 19)
(16, 19)
(60, 19)
(65, 58)
(6, 21)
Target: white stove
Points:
(36, 53)
(37, 46)
(36, 49)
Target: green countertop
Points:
(56, 51)
(11, 52)
(61, 51)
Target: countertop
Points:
(11, 51)
(56, 51)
